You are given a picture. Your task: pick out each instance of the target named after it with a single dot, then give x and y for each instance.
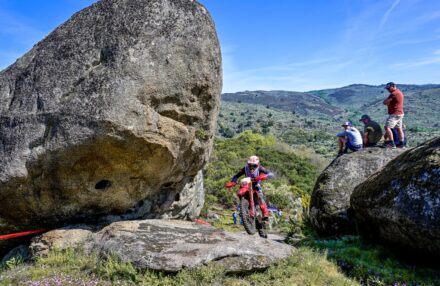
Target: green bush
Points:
(230, 156)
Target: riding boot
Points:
(264, 209)
(262, 231)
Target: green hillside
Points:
(357, 96)
(312, 118)
(290, 127)
(302, 103)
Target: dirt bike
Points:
(250, 211)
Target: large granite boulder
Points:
(330, 202)
(112, 113)
(401, 204)
(168, 245)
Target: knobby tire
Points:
(248, 222)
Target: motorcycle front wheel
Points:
(248, 221)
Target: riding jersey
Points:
(252, 174)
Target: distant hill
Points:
(299, 102)
(422, 102)
(312, 118)
(360, 96)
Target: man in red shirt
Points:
(395, 115)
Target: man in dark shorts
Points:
(372, 131)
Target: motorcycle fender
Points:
(242, 191)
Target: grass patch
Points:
(226, 222)
(73, 267)
(374, 264)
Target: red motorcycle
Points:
(250, 211)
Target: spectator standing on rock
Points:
(350, 138)
(394, 102)
(372, 131)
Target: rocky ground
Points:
(168, 245)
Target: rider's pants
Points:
(262, 202)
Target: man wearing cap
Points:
(372, 131)
(394, 102)
(350, 138)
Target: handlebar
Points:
(260, 178)
(256, 179)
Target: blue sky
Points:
(283, 44)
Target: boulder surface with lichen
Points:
(112, 114)
(330, 202)
(401, 204)
(168, 245)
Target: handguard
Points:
(230, 184)
(260, 177)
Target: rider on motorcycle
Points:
(256, 172)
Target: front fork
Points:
(248, 191)
(251, 201)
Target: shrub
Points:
(229, 156)
(201, 135)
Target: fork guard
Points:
(242, 191)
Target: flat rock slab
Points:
(171, 245)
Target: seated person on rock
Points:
(350, 138)
(252, 170)
(372, 131)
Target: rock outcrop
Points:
(401, 204)
(330, 202)
(113, 113)
(167, 245)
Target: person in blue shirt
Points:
(350, 138)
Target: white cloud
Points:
(388, 12)
(302, 76)
(356, 56)
(288, 76)
(434, 59)
(433, 16)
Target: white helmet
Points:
(253, 160)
